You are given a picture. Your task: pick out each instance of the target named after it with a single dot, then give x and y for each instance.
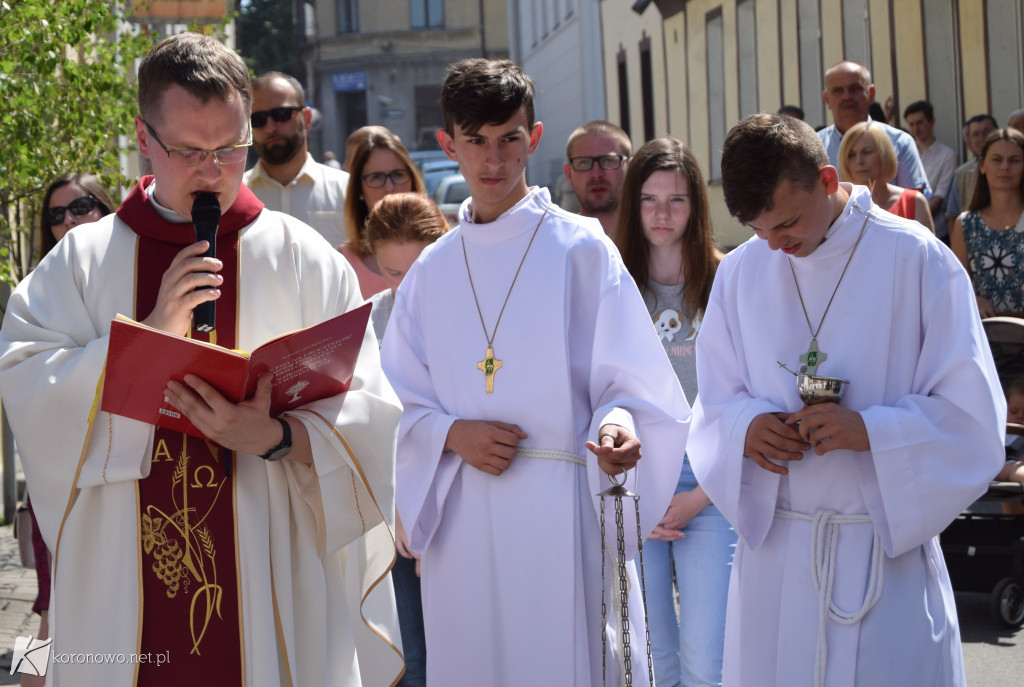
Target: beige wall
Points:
(973, 54)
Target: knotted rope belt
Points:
(544, 454)
(825, 526)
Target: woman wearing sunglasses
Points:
(70, 200)
(380, 166)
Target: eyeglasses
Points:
(397, 176)
(585, 163)
(78, 207)
(231, 155)
(278, 114)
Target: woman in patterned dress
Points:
(989, 238)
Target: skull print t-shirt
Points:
(677, 330)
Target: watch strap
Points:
(281, 450)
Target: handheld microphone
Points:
(206, 218)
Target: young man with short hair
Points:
(939, 161)
(246, 558)
(528, 369)
(838, 577)
(965, 177)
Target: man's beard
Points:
(280, 153)
(609, 204)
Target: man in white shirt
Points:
(287, 178)
(939, 160)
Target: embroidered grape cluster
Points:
(167, 564)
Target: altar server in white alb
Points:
(259, 558)
(838, 578)
(528, 368)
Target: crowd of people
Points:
(438, 523)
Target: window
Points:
(1005, 66)
(426, 14)
(746, 41)
(716, 90)
(647, 88)
(856, 32)
(348, 16)
(812, 78)
(623, 92)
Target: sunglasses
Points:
(278, 114)
(78, 207)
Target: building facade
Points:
(693, 68)
(558, 43)
(383, 61)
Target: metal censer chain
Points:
(618, 491)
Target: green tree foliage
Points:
(68, 94)
(266, 37)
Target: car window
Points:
(457, 192)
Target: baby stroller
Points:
(984, 547)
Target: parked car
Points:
(449, 194)
(428, 157)
(434, 171)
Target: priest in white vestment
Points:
(838, 577)
(521, 331)
(311, 537)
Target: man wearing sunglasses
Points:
(245, 558)
(287, 178)
(598, 153)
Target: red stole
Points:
(191, 611)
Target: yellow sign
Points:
(180, 9)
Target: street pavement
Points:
(17, 593)
(994, 656)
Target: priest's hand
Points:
(618, 451)
(769, 436)
(244, 427)
(829, 426)
(487, 445)
(178, 295)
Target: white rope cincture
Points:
(544, 454)
(824, 544)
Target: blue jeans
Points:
(410, 621)
(688, 650)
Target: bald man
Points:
(848, 93)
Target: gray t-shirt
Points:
(677, 330)
(381, 305)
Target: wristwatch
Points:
(282, 449)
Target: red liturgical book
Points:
(308, 365)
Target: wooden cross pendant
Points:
(489, 365)
(812, 359)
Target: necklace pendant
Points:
(812, 359)
(489, 365)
